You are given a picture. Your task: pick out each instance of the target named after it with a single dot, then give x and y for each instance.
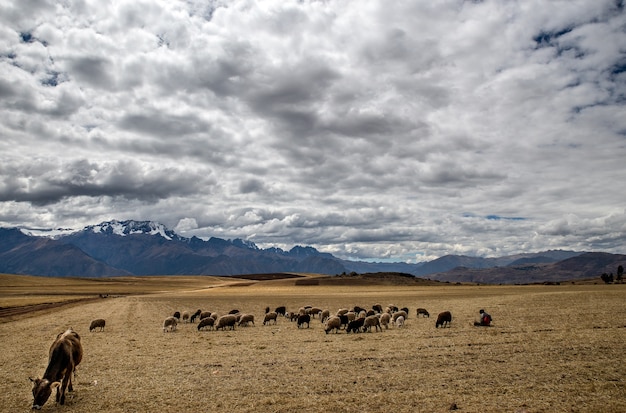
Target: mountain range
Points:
(118, 248)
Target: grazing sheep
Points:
(176, 315)
(205, 314)
(186, 316)
(342, 311)
(400, 321)
(293, 316)
(234, 312)
(392, 308)
(423, 312)
(195, 315)
(304, 319)
(272, 315)
(378, 308)
(333, 323)
(315, 311)
(385, 318)
(372, 321)
(355, 325)
(206, 322)
(397, 314)
(443, 319)
(169, 324)
(344, 320)
(228, 320)
(406, 310)
(324, 315)
(351, 315)
(358, 309)
(97, 323)
(246, 319)
(281, 310)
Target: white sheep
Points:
(384, 320)
(186, 316)
(169, 324)
(399, 321)
(324, 315)
(333, 322)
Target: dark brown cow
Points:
(66, 352)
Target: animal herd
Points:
(351, 320)
(66, 351)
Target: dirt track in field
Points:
(571, 361)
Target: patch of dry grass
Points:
(552, 349)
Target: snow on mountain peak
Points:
(124, 228)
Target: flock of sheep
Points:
(354, 320)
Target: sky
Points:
(372, 130)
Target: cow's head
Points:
(42, 388)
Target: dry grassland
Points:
(552, 349)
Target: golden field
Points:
(557, 348)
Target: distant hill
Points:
(582, 266)
(149, 248)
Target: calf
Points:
(65, 354)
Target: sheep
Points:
(406, 310)
(351, 315)
(233, 312)
(400, 321)
(393, 308)
(206, 322)
(333, 323)
(423, 312)
(397, 314)
(358, 309)
(443, 319)
(281, 310)
(378, 308)
(304, 319)
(97, 323)
(315, 311)
(324, 315)
(342, 311)
(372, 321)
(293, 316)
(186, 316)
(169, 324)
(195, 315)
(385, 318)
(176, 315)
(245, 319)
(228, 320)
(272, 315)
(205, 314)
(355, 325)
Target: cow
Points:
(65, 354)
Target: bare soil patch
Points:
(552, 349)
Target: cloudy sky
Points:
(377, 130)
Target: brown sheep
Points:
(333, 323)
(443, 319)
(206, 322)
(269, 317)
(97, 323)
(423, 312)
(372, 321)
(228, 320)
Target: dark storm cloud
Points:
(47, 183)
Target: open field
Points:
(551, 349)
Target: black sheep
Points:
(355, 325)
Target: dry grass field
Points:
(551, 349)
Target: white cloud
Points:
(367, 129)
